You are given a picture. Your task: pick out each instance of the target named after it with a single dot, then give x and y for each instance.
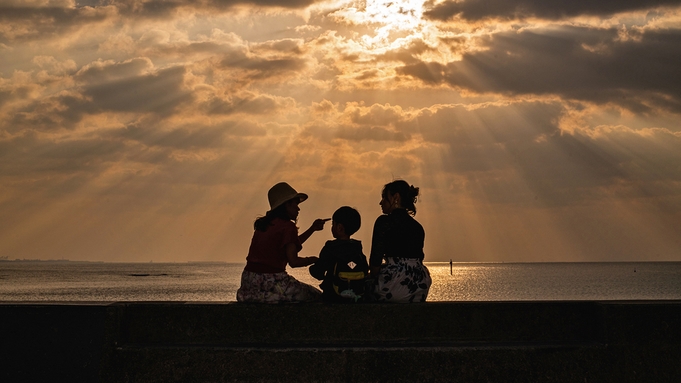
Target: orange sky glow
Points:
(138, 130)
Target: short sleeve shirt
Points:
(267, 253)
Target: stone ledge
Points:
(614, 341)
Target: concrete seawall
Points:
(614, 341)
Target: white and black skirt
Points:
(402, 280)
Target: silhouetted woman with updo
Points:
(396, 259)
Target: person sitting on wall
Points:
(396, 260)
(342, 265)
(275, 244)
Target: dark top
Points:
(396, 235)
(267, 253)
(341, 251)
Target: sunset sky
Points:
(537, 130)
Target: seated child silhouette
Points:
(342, 266)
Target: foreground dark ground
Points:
(614, 341)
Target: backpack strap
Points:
(351, 275)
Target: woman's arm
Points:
(321, 267)
(378, 244)
(317, 225)
(294, 260)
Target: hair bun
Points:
(407, 192)
(413, 192)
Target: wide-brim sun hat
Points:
(281, 193)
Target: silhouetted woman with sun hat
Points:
(275, 244)
(396, 260)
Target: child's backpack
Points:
(348, 280)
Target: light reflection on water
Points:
(72, 281)
(555, 281)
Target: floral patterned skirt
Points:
(274, 288)
(402, 280)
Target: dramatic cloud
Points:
(160, 93)
(576, 63)
(34, 22)
(147, 129)
(552, 10)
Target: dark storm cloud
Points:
(109, 88)
(61, 111)
(151, 134)
(375, 115)
(161, 93)
(245, 103)
(489, 143)
(167, 8)
(259, 68)
(181, 138)
(25, 22)
(5, 95)
(428, 72)
(259, 3)
(28, 154)
(50, 168)
(576, 63)
(202, 47)
(283, 46)
(358, 123)
(134, 86)
(552, 9)
(355, 133)
(650, 156)
(373, 133)
(495, 124)
(237, 53)
(35, 22)
(406, 54)
(479, 139)
(102, 72)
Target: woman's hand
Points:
(318, 224)
(294, 260)
(312, 259)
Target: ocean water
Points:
(94, 281)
